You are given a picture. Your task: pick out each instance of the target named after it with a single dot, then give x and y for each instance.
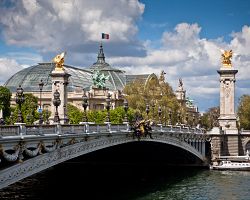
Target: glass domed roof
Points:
(30, 77)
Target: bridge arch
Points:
(41, 162)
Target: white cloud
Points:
(74, 26)
(25, 58)
(185, 54)
(241, 49)
(58, 25)
(7, 68)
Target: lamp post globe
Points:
(19, 100)
(56, 102)
(147, 109)
(159, 114)
(41, 84)
(170, 116)
(125, 106)
(108, 101)
(85, 105)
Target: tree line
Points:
(153, 101)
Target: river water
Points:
(126, 181)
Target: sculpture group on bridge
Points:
(142, 128)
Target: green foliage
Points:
(117, 115)
(99, 116)
(28, 109)
(155, 95)
(210, 118)
(244, 112)
(5, 96)
(75, 115)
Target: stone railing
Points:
(22, 129)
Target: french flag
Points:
(105, 36)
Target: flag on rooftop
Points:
(105, 36)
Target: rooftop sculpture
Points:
(180, 84)
(162, 77)
(99, 79)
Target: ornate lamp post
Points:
(41, 84)
(179, 117)
(19, 100)
(125, 106)
(85, 105)
(170, 116)
(108, 101)
(187, 117)
(159, 114)
(147, 109)
(56, 102)
(2, 122)
(193, 120)
(153, 106)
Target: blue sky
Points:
(218, 18)
(183, 38)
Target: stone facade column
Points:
(227, 119)
(59, 83)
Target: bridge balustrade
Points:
(97, 128)
(74, 128)
(185, 129)
(176, 128)
(15, 130)
(39, 129)
(168, 128)
(9, 130)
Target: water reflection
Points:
(126, 181)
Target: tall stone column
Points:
(59, 82)
(227, 119)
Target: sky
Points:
(183, 38)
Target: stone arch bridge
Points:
(27, 150)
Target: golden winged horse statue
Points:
(226, 57)
(59, 61)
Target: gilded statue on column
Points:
(226, 57)
(59, 61)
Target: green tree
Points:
(243, 112)
(210, 118)
(28, 109)
(140, 93)
(5, 96)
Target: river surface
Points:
(130, 182)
